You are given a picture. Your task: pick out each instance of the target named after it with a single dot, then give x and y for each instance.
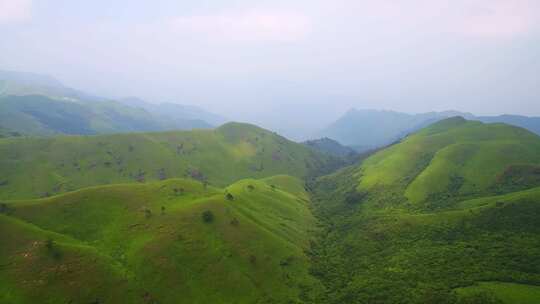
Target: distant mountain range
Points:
(40, 105)
(174, 111)
(331, 147)
(369, 129)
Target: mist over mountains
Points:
(369, 129)
(34, 104)
(39, 105)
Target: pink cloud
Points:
(498, 18)
(251, 25)
(12, 11)
(469, 18)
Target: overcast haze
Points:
(246, 59)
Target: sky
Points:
(277, 62)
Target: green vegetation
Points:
(441, 210)
(451, 161)
(251, 251)
(505, 293)
(449, 215)
(40, 167)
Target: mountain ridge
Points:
(369, 129)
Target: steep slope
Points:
(39, 266)
(220, 157)
(454, 160)
(174, 241)
(38, 115)
(434, 218)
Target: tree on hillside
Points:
(178, 191)
(5, 209)
(208, 216)
(52, 249)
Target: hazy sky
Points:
(253, 58)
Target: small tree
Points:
(207, 216)
(273, 187)
(162, 210)
(229, 197)
(49, 244)
(251, 187)
(52, 249)
(4, 208)
(147, 213)
(178, 191)
(235, 222)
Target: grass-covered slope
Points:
(39, 266)
(37, 167)
(453, 160)
(174, 241)
(430, 219)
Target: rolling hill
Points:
(220, 157)
(448, 215)
(440, 217)
(173, 241)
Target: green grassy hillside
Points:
(174, 241)
(454, 160)
(39, 266)
(450, 207)
(40, 167)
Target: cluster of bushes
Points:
(387, 257)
